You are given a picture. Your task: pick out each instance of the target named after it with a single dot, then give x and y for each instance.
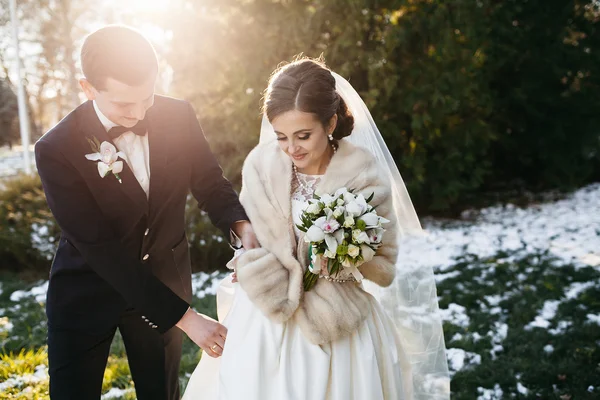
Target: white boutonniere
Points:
(107, 156)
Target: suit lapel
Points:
(92, 127)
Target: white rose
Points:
(329, 254)
(349, 222)
(340, 202)
(314, 208)
(353, 251)
(314, 234)
(338, 212)
(347, 263)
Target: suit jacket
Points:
(118, 248)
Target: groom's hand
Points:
(243, 229)
(204, 331)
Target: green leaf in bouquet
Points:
(333, 266)
(301, 228)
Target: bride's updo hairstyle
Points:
(307, 85)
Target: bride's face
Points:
(304, 139)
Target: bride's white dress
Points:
(264, 360)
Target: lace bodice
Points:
(303, 189)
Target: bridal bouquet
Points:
(344, 231)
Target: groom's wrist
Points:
(236, 232)
(182, 323)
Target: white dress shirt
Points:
(135, 148)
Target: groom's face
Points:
(121, 103)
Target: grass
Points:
(496, 352)
(501, 296)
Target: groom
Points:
(123, 260)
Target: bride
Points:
(380, 338)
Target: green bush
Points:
(28, 232)
(543, 63)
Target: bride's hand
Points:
(204, 331)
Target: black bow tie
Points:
(139, 129)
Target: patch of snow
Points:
(456, 315)
(459, 359)
(39, 292)
(490, 394)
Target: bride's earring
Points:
(330, 138)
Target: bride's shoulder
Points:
(354, 157)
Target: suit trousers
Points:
(77, 360)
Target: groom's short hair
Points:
(118, 52)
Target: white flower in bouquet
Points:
(328, 200)
(340, 202)
(332, 244)
(347, 263)
(358, 206)
(329, 254)
(314, 208)
(349, 222)
(339, 236)
(360, 237)
(353, 251)
(328, 225)
(375, 235)
(371, 220)
(314, 234)
(340, 192)
(348, 197)
(367, 253)
(339, 211)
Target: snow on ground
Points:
(569, 229)
(116, 393)
(490, 394)
(39, 292)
